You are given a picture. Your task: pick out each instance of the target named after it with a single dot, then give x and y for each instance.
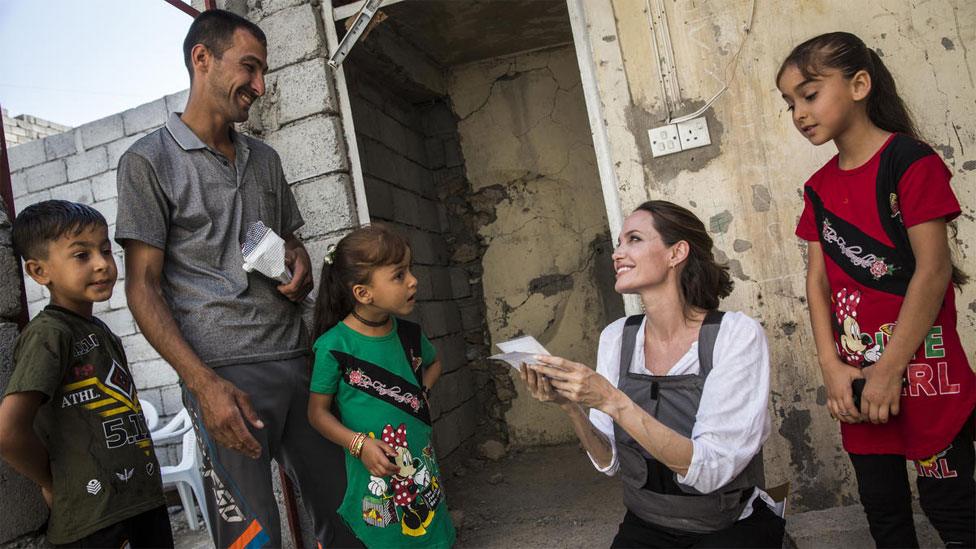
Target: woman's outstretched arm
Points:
(597, 444)
(577, 383)
(732, 421)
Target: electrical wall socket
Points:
(694, 133)
(664, 140)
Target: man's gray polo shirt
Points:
(179, 195)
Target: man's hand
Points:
(881, 398)
(48, 496)
(223, 408)
(298, 262)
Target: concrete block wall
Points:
(24, 127)
(298, 117)
(24, 509)
(80, 165)
(401, 189)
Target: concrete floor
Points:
(552, 497)
(541, 497)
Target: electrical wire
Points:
(729, 72)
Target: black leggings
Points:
(946, 490)
(760, 529)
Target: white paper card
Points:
(520, 350)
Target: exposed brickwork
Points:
(393, 136)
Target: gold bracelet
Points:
(352, 444)
(359, 445)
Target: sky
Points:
(74, 61)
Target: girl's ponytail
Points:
(333, 303)
(885, 107)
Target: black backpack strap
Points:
(627, 342)
(706, 340)
(895, 160)
(409, 334)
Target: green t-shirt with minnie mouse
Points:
(377, 393)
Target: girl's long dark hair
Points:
(848, 54)
(353, 261)
(704, 282)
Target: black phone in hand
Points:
(857, 387)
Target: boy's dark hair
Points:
(215, 30)
(42, 223)
(847, 53)
(704, 282)
(352, 262)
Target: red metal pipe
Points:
(7, 193)
(187, 8)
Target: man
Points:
(187, 193)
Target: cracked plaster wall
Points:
(529, 157)
(746, 186)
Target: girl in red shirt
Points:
(880, 290)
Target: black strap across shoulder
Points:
(843, 236)
(382, 384)
(409, 334)
(707, 335)
(898, 156)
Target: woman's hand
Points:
(576, 382)
(539, 386)
(840, 397)
(882, 393)
(376, 456)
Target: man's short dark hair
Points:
(42, 223)
(215, 30)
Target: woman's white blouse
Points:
(732, 422)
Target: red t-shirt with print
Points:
(855, 215)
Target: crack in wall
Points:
(962, 44)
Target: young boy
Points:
(91, 455)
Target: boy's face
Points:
(79, 269)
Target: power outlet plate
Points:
(664, 140)
(694, 133)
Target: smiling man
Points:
(187, 193)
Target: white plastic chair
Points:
(150, 413)
(186, 474)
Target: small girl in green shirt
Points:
(378, 369)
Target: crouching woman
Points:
(678, 402)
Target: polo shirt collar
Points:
(182, 133)
(189, 141)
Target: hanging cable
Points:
(729, 72)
